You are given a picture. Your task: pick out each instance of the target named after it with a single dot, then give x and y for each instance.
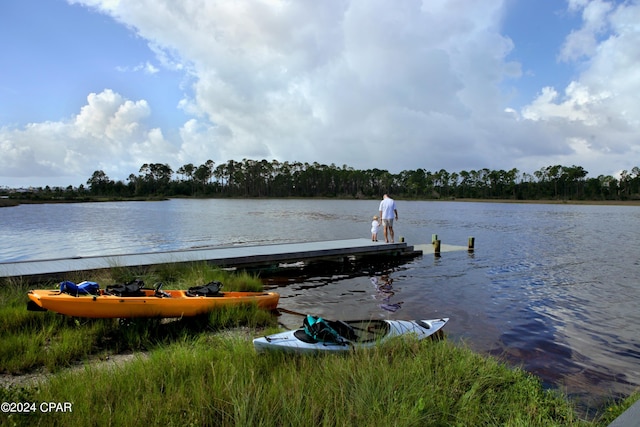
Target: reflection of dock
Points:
(232, 256)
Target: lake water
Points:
(551, 288)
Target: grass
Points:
(221, 381)
(204, 371)
(48, 341)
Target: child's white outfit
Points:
(374, 227)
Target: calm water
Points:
(553, 288)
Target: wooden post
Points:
(401, 239)
(434, 237)
(436, 248)
(472, 241)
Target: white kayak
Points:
(351, 334)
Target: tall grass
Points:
(221, 381)
(196, 372)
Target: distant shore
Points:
(6, 203)
(15, 202)
(554, 202)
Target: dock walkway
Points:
(231, 256)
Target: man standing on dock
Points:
(388, 212)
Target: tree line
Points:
(262, 178)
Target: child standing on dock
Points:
(374, 229)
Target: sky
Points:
(110, 85)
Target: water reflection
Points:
(384, 293)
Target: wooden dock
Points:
(231, 256)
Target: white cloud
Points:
(328, 81)
(584, 41)
(108, 134)
(577, 105)
(598, 118)
(363, 83)
(147, 68)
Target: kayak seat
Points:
(211, 289)
(304, 337)
(130, 289)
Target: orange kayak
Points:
(172, 303)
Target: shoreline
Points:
(553, 202)
(16, 202)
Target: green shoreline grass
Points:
(204, 371)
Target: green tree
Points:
(203, 174)
(99, 183)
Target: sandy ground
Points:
(33, 378)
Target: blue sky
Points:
(538, 29)
(91, 85)
(59, 53)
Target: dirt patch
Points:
(34, 378)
